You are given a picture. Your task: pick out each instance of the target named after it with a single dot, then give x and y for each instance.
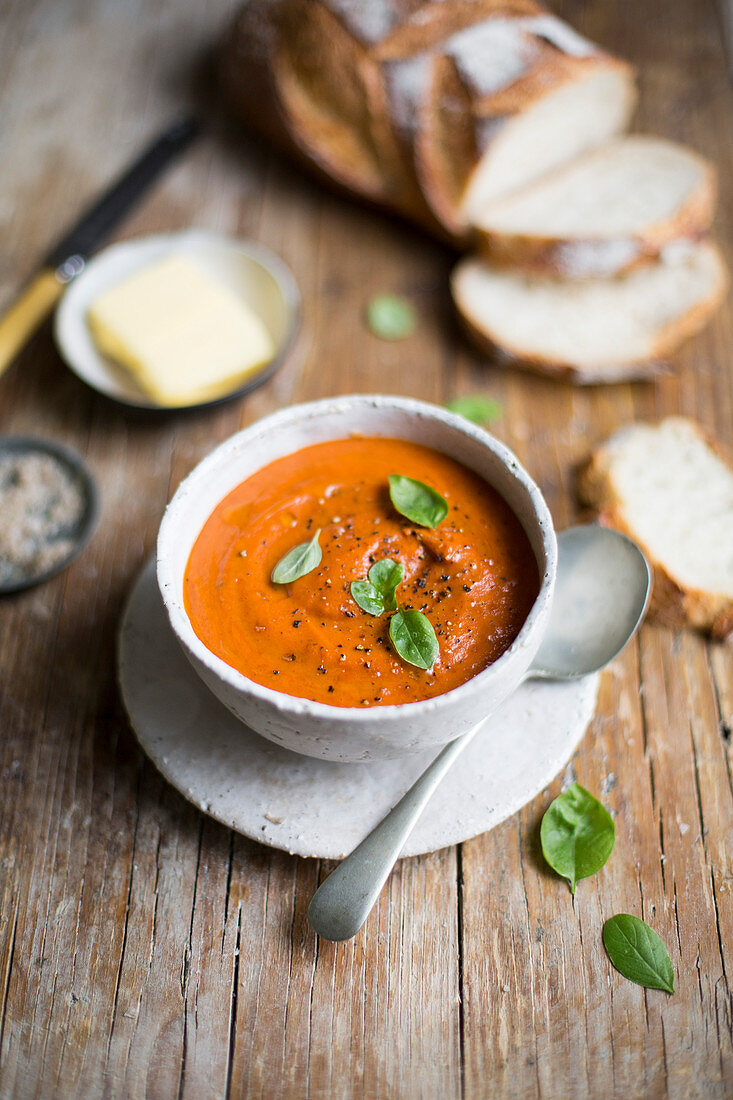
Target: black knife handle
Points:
(102, 217)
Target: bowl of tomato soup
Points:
(359, 578)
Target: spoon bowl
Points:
(601, 593)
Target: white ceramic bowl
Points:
(350, 734)
(251, 271)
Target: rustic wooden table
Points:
(147, 950)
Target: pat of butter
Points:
(184, 336)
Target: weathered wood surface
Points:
(146, 950)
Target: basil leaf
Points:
(385, 575)
(478, 408)
(414, 639)
(298, 561)
(417, 501)
(390, 317)
(638, 953)
(577, 835)
(367, 597)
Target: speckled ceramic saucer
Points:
(313, 807)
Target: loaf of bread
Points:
(433, 109)
(669, 488)
(495, 125)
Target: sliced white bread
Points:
(593, 330)
(605, 211)
(554, 126)
(667, 487)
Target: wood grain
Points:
(148, 951)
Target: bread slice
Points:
(593, 330)
(667, 487)
(605, 211)
(548, 127)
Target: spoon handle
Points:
(343, 902)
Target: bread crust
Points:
(603, 257)
(668, 341)
(671, 603)
(317, 77)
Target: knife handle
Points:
(26, 313)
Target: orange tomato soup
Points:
(474, 575)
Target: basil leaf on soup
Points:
(414, 639)
(298, 561)
(477, 408)
(368, 597)
(377, 595)
(419, 502)
(577, 835)
(638, 953)
(390, 317)
(384, 576)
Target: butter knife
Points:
(67, 259)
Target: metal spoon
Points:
(601, 593)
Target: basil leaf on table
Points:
(577, 835)
(377, 594)
(419, 502)
(390, 317)
(478, 408)
(638, 953)
(414, 639)
(298, 561)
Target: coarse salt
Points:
(41, 502)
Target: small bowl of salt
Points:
(48, 510)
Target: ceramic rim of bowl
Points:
(298, 705)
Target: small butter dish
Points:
(48, 510)
(256, 275)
